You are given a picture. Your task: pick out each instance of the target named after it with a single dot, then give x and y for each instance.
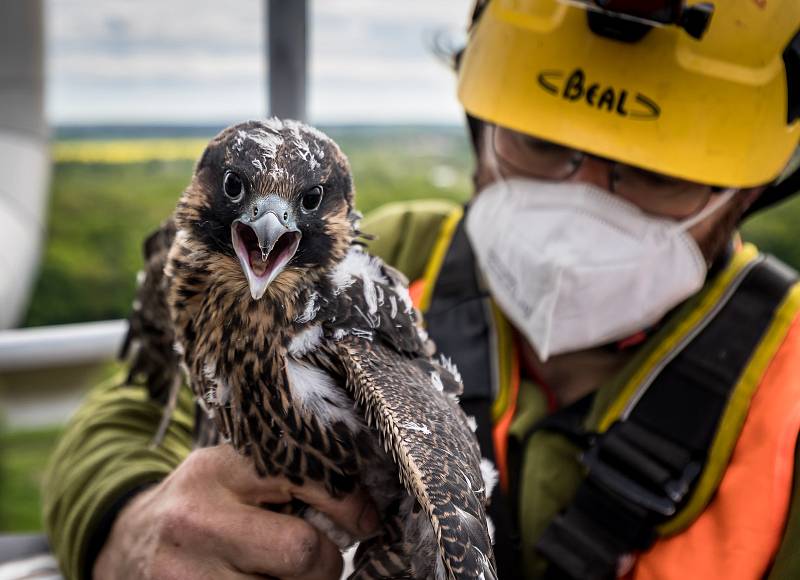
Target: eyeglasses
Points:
(523, 155)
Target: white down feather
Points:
(318, 394)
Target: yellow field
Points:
(127, 150)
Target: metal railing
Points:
(45, 372)
(88, 343)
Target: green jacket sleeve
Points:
(105, 454)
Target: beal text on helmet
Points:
(576, 88)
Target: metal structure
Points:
(24, 160)
(287, 25)
(87, 343)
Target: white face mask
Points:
(574, 266)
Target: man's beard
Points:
(716, 242)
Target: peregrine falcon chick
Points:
(305, 353)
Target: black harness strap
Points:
(642, 470)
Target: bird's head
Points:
(276, 196)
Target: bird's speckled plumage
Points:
(328, 376)
(148, 344)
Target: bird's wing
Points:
(410, 397)
(424, 429)
(148, 346)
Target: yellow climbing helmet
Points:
(707, 92)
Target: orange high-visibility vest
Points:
(739, 532)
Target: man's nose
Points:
(594, 171)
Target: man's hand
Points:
(204, 522)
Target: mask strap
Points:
(491, 155)
(722, 198)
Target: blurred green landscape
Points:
(101, 211)
(111, 187)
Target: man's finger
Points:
(258, 541)
(354, 512)
(236, 473)
(329, 566)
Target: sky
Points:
(201, 61)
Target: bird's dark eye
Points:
(232, 185)
(312, 198)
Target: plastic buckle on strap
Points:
(577, 549)
(678, 488)
(664, 503)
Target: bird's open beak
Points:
(265, 239)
